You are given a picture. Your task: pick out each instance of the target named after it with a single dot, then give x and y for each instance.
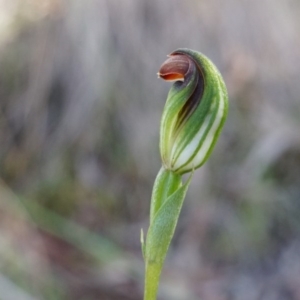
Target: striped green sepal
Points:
(195, 110)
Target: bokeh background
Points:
(80, 107)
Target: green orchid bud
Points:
(195, 110)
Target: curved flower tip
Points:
(195, 110)
(174, 68)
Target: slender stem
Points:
(153, 271)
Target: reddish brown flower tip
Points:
(174, 68)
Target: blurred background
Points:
(80, 107)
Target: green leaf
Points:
(166, 183)
(163, 225)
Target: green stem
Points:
(153, 271)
